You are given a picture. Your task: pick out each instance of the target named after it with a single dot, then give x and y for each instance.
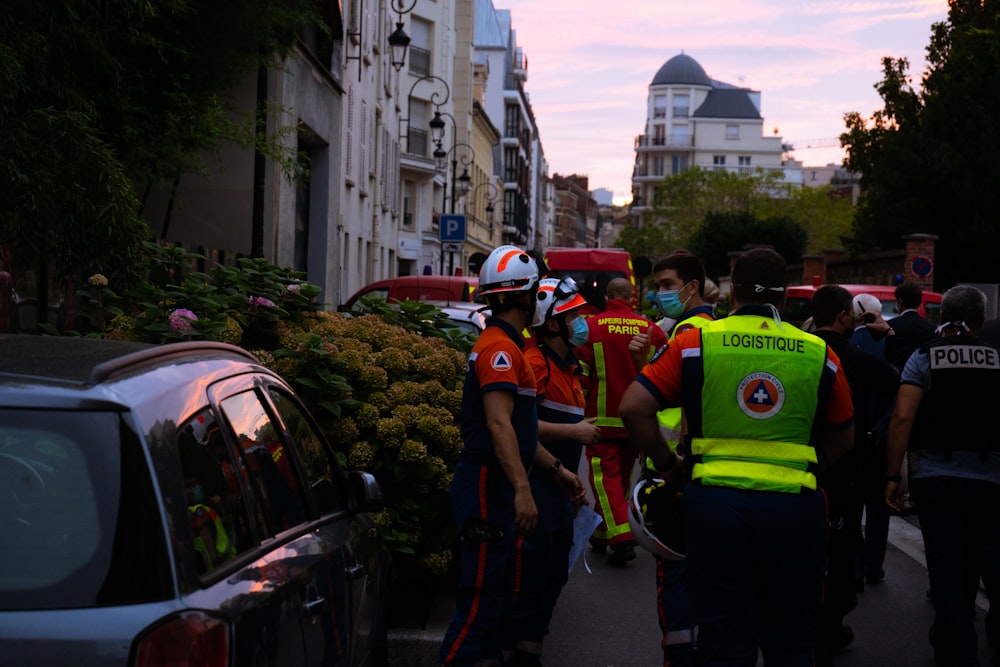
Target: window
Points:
(678, 163)
(682, 104)
(214, 492)
(719, 160)
(679, 135)
(732, 131)
(268, 467)
(660, 106)
(658, 162)
(323, 484)
(744, 160)
(659, 135)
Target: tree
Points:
(95, 97)
(684, 202)
(726, 232)
(927, 159)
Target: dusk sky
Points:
(590, 63)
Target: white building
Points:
(695, 121)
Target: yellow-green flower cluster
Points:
(361, 455)
(396, 362)
(437, 563)
(412, 451)
(391, 432)
(375, 331)
(342, 432)
(232, 333)
(366, 416)
(410, 414)
(121, 327)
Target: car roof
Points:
(91, 361)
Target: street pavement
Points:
(607, 617)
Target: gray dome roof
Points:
(681, 69)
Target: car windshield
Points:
(63, 527)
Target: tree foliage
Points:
(725, 232)
(98, 96)
(686, 202)
(927, 159)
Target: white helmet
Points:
(654, 515)
(556, 296)
(508, 269)
(866, 303)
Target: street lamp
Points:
(437, 123)
(460, 185)
(399, 41)
(490, 198)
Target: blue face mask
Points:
(580, 332)
(669, 302)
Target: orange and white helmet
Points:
(556, 296)
(508, 269)
(654, 515)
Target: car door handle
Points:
(313, 606)
(356, 571)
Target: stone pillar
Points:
(813, 270)
(918, 264)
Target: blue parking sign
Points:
(452, 228)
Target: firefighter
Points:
(543, 556)
(610, 366)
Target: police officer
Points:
(490, 494)
(764, 403)
(543, 555)
(945, 416)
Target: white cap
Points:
(866, 303)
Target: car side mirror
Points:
(363, 492)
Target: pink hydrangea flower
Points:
(295, 288)
(260, 302)
(180, 320)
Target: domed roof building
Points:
(693, 120)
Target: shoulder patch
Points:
(659, 353)
(501, 361)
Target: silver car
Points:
(176, 505)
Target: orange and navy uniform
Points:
(482, 498)
(609, 371)
(542, 557)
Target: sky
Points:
(590, 63)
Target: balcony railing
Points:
(645, 140)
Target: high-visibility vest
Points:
(670, 418)
(225, 550)
(759, 400)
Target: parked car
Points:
(419, 288)
(592, 269)
(176, 505)
(468, 317)
(798, 297)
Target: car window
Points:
(324, 482)
(79, 526)
(269, 468)
(214, 483)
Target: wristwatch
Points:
(556, 465)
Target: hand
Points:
(525, 511)
(587, 431)
(570, 483)
(638, 348)
(894, 496)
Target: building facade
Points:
(695, 121)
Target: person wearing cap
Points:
(680, 282)
(765, 405)
(945, 418)
(491, 496)
(870, 335)
(543, 555)
(610, 364)
(869, 377)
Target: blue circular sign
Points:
(921, 266)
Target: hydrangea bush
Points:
(386, 397)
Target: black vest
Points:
(959, 411)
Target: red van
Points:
(592, 269)
(797, 298)
(447, 289)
